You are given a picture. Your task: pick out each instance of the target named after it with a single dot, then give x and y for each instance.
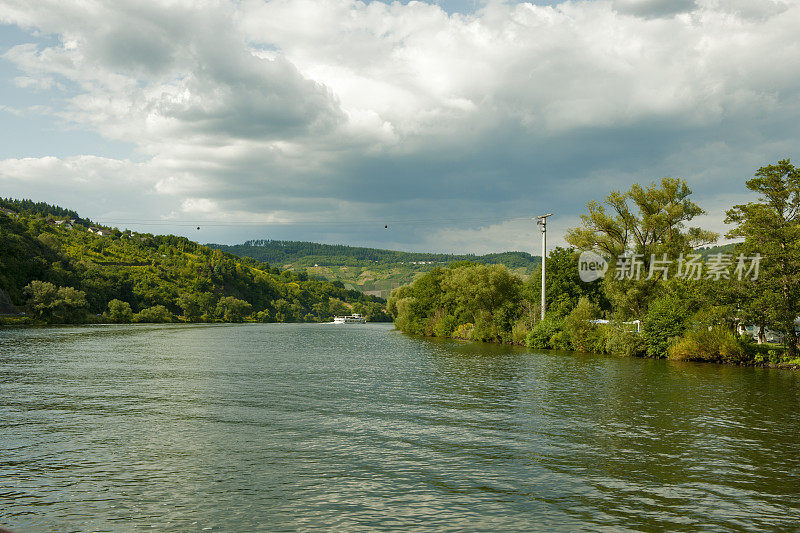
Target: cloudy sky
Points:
(452, 122)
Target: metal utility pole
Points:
(541, 220)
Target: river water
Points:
(357, 427)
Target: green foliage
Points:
(437, 303)
(194, 306)
(644, 220)
(368, 270)
(153, 270)
(42, 297)
(716, 343)
(156, 315)
(30, 207)
(62, 305)
(579, 331)
(771, 227)
(625, 343)
(564, 287)
(666, 319)
(263, 316)
(232, 309)
(119, 312)
(541, 335)
(463, 331)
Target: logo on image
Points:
(591, 266)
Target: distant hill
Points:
(370, 270)
(301, 252)
(707, 251)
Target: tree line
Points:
(662, 312)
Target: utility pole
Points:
(541, 220)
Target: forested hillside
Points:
(60, 272)
(299, 253)
(369, 270)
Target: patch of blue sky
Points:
(30, 121)
(470, 6)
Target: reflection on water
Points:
(285, 427)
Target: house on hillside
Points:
(8, 212)
(103, 233)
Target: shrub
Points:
(486, 329)
(155, 314)
(232, 309)
(597, 338)
(664, 322)
(541, 334)
(463, 331)
(119, 312)
(577, 326)
(716, 343)
(519, 332)
(626, 343)
(561, 341)
(443, 324)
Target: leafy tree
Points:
(646, 221)
(71, 306)
(193, 305)
(665, 321)
(263, 316)
(771, 227)
(155, 314)
(61, 305)
(42, 299)
(119, 312)
(232, 309)
(542, 333)
(564, 287)
(578, 327)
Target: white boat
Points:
(350, 319)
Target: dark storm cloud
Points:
(654, 8)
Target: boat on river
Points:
(350, 319)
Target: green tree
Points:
(564, 287)
(771, 227)
(42, 299)
(649, 222)
(578, 325)
(155, 314)
(264, 316)
(71, 306)
(666, 320)
(119, 312)
(192, 306)
(232, 309)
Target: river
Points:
(358, 427)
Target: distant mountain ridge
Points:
(370, 270)
(303, 253)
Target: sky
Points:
(440, 126)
